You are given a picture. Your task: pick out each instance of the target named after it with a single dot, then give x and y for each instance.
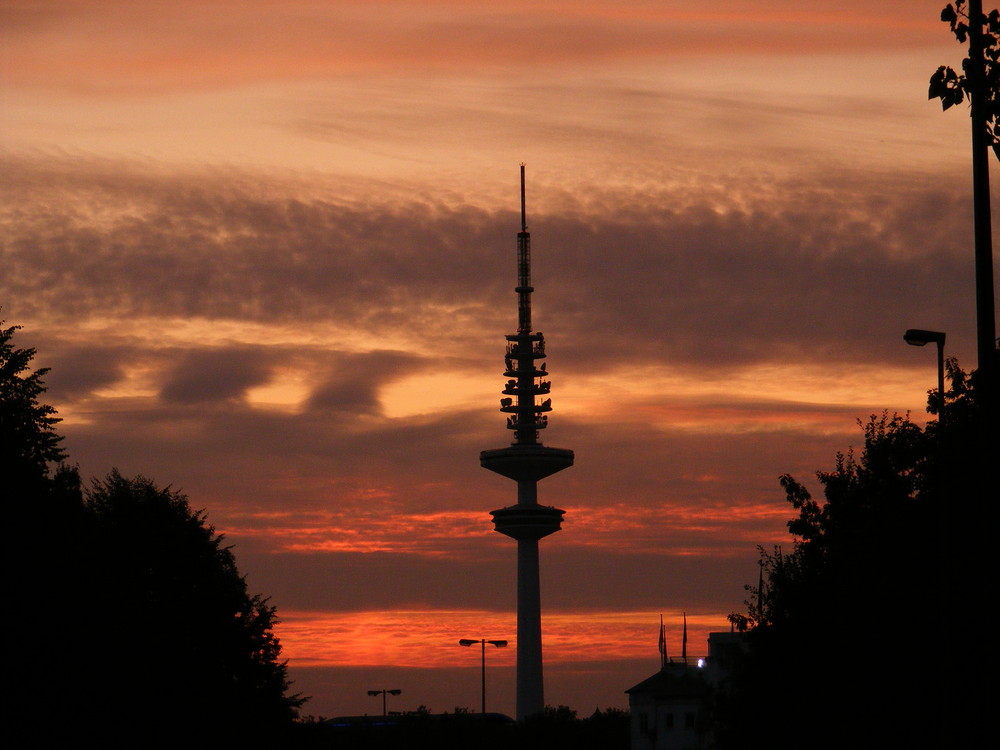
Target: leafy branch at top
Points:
(953, 88)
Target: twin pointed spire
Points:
(662, 645)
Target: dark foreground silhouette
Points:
(867, 632)
(127, 621)
(555, 729)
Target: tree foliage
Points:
(28, 440)
(850, 633)
(954, 88)
(128, 620)
(167, 588)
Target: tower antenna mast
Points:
(524, 220)
(526, 461)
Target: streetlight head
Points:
(374, 692)
(394, 692)
(498, 644)
(920, 337)
(466, 642)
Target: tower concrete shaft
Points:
(526, 461)
(530, 682)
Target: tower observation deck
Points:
(526, 461)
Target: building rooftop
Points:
(673, 681)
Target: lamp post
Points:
(383, 693)
(920, 337)
(482, 642)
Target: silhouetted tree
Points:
(954, 88)
(126, 620)
(42, 549)
(28, 440)
(851, 640)
(558, 727)
(554, 729)
(183, 631)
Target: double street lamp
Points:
(920, 337)
(482, 642)
(383, 693)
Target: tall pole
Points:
(986, 437)
(482, 642)
(985, 304)
(384, 692)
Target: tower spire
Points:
(526, 461)
(524, 288)
(524, 221)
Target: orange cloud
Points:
(619, 527)
(382, 530)
(644, 528)
(429, 638)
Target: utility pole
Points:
(985, 303)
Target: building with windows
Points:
(669, 711)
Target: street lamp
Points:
(482, 642)
(383, 693)
(920, 337)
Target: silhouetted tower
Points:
(526, 461)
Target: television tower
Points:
(526, 461)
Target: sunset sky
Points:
(268, 250)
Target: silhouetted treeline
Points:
(871, 631)
(557, 729)
(127, 622)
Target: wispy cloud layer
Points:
(113, 45)
(824, 271)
